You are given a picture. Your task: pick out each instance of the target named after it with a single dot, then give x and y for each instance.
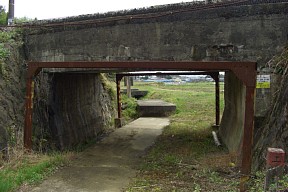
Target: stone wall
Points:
(12, 98)
(76, 108)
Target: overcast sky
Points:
(46, 9)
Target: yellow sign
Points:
(263, 82)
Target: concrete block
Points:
(155, 108)
(136, 93)
(275, 163)
(275, 157)
(118, 122)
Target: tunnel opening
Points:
(242, 72)
(213, 74)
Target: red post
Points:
(217, 100)
(28, 114)
(247, 138)
(215, 76)
(118, 80)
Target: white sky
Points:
(47, 9)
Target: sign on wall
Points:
(263, 82)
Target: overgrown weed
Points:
(31, 168)
(129, 106)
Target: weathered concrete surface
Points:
(12, 95)
(155, 108)
(232, 124)
(109, 165)
(79, 107)
(252, 32)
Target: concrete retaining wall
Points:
(231, 127)
(79, 108)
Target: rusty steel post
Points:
(119, 110)
(247, 138)
(28, 113)
(217, 100)
(215, 76)
(31, 72)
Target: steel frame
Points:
(245, 71)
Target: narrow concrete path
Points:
(110, 164)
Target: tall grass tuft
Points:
(30, 169)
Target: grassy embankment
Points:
(29, 169)
(185, 158)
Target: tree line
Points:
(3, 16)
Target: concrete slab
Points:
(155, 108)
(110, 164)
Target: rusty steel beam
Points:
(169, 73)
(149, 65)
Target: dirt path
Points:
(109, 165)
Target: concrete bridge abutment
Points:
(250, 32)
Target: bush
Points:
(129, 105)
(3, 16)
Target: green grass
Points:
(185, 158)
(257, 185)
(30, 169)
(130, 108)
